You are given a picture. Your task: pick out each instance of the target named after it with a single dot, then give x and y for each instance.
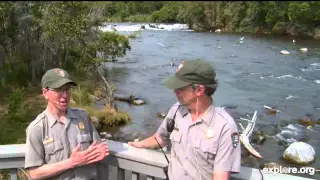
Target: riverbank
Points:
(280, 28)
(300, 19)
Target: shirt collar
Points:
(207, 116)
(52, 119)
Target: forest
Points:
(278, 17)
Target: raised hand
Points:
(93, 154)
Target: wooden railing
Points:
(126, 163)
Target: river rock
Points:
(138, 102)
(316, 33)
(258, 137)
(95, 121)
(305, 121)
(131, 99)
(161, 115)
(271, 165)
(269, 130)
(108, 136)
(299, 153)
(103, 133)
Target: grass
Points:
(105, 116)
(134, 35)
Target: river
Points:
(251, 74)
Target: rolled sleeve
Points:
(228, 157)
(162, 131)
(34, 155)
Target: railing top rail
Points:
(121, 150)
(15, 153)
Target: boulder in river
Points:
(258, 137)
(299, 153)
(161, 115)
(271, 165)
(271, 110)
(305, 121)
(131, 99)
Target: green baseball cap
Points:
(191, 72)
(55, 78)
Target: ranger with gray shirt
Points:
(61, 142)
(205, 140)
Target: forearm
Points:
(222, 175)
(150, 142)
(49, 170)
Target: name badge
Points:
(47, 140)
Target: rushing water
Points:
(251, 74)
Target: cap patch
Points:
(180, 66)
(60, 72)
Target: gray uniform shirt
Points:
(49, 141)
(202, 147)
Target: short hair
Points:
(209, 90)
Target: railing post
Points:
(13, 174)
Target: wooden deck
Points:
(126, 163)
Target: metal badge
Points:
(81, 126)
(176, 127)
(210, 133)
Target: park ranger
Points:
(204, 138)
(61, 142)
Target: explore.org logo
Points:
(290, 170)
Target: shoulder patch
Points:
(40, 117)
(36, 121)
(76, 109)
(228, 118)
(235, 139)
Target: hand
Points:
(93, 154)
(138, 144)
(103, 151)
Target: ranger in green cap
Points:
(204, 138)
(61, 142)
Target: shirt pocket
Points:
(175, 138)
(84, 140)
(53, 152)
(205, 151)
